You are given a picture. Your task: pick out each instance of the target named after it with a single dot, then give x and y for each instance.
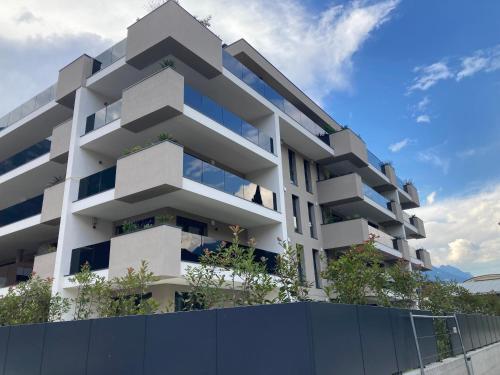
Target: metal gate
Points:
(448, 339)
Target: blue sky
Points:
(419, 80)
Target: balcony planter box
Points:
(159, 246)
(148, 173)
(52, 204)
(345, 233)
(413, 193)
(419, 225)
(425, 257)
(338, 190)
(44, 265)
(71, 78)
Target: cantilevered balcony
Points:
(414, 226)
(425, 257)
(95, 255)
(350, 194)
(23, 157)
(159, 246)
(349, 147)
(20, 211)
(344, 234)
(409, 196)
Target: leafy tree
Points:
(32, 302)
(129, 295)
(93, 293)
(404, 285)
(357, 275)
(291, 285)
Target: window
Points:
(312, 220)
(301, 270)
(192, 226)
(317, 269)
(307, 174)
(292, 166)
(296, 214)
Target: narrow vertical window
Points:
(307, 175)
(292, 167)
(300, 261)
(312, 219)
(296, 214)
(317, 268)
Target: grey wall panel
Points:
(251, 339)
(4, 339)
(456, 346)
(24, 354)
(117, 346)
(182, 343)
(65, 347)
(379, 354)
(465, 331)
(426, 337)
(404, 342)
(487, 329)
(336, 340)
(480, 330)
(474, 331)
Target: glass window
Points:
(301, 269)
(292, 167)
(296, 214)
(307, 175)
(312, 220)
(317, 269)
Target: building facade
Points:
(124, 159)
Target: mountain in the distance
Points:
(448, 273)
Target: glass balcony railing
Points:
(96, 256)
(31, 105)
(375, 161)
(25, 156)
(228, 119)
(103, 117)
(215, 177)
(109, 56)
(375, 196)
(21, 211)
(251, 79)
(97, 183)
(382, 237)
(400, 182)
(194, 245)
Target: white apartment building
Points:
(123, 160)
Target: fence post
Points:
(417, 345)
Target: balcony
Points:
(349, 147)
(348, 194)
(44, 265)
(21, 211)
(96, 256)
(31, 153)
(52, 204)
(38, 101)
(207, 174)
(411, 200)
(158, 246)
(251, 79)
(425, 257)
(97, 183)
(103, 117)
(344, 234)
(226, 118)
(110, 56)
(61, 136)
(148, 173)
(15, 272)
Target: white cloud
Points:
(466, 153)
(314, 49)
(487, 60)
(422, 105)
(398, 146)
(431, 197)
(423, 119)
(464, 231)
(431, 156)
(428, 76)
